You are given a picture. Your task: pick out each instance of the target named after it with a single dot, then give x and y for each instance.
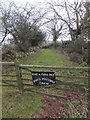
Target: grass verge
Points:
(16, 105)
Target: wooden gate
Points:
(68, 78)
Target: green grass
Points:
(15, 105)
(47, 57)
(0, 90)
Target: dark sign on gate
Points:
(43, 78)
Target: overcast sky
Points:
(24, 1)
(35, 2)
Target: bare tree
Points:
(86, 20)
(55, 28)
(72, 16)
(23, 24)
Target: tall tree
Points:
(86, 20)
(72, 15)
(55, 28)
(22, 24)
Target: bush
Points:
(84, 64)
(77, 50)
(8, 53)
(85, 55)
(51, 45)
(76, 57)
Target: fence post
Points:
(19, 78)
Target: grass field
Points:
(16, 105)
(47, 57)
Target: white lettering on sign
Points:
(43, 83)
(35, 74)
(51, 74)
(43, 74)
(45, 79)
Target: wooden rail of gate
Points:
(19, 67)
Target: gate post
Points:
(19, 78)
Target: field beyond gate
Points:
(72, 85)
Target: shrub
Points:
(8, 53)
(76, 57)
(85, 55)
